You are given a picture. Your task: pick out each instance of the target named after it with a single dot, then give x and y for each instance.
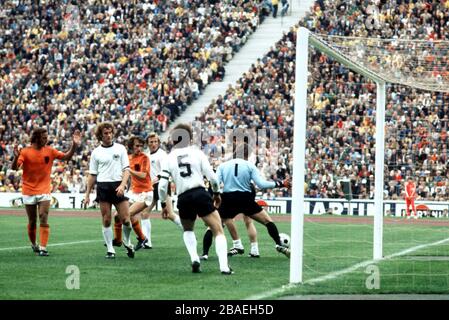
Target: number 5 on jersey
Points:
(185, 168)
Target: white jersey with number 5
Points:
(187, 166)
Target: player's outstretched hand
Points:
(76, 138)
(282, 183)
(279, 183)
(16, 150)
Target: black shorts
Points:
(233, 203)
(195, 202)
(156, 191)
(106, 192)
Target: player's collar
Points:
(155, 151)
(107, 146)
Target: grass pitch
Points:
(416, 259)
(164, 273)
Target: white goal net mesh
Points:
(416, 63)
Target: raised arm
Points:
(14, 165)
(76, 142)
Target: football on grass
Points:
(285, 239)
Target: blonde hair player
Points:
(157, 157)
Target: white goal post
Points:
(304, 39)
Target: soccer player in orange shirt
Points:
(141, 195)
(141, 191)
(158, 157)
(36, 162)
(410, 195)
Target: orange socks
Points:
(44, 233)
(32, 233)
(138, 230)
(118, 231)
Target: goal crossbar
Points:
(326, 48)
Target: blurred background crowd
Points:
(69, 65)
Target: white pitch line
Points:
(51, 245)
(336, 274)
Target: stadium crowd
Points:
(67, 65)
(341, 119)
(416, 121)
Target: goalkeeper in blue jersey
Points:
(236, 176)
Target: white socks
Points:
(146, 229)
(108, 235)
(190, 242)
(237, 244)
(126, 233)
(177, 221)
(221, 248)
(254, 248)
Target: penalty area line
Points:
(51, 245)
(336, 274)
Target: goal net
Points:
(419, 64)
(369, 114)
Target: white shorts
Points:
(35, 199)
(146, 197)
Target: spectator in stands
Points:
(275, 6)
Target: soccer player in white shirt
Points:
(188, 165)
(157, 156)
(109, 168)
